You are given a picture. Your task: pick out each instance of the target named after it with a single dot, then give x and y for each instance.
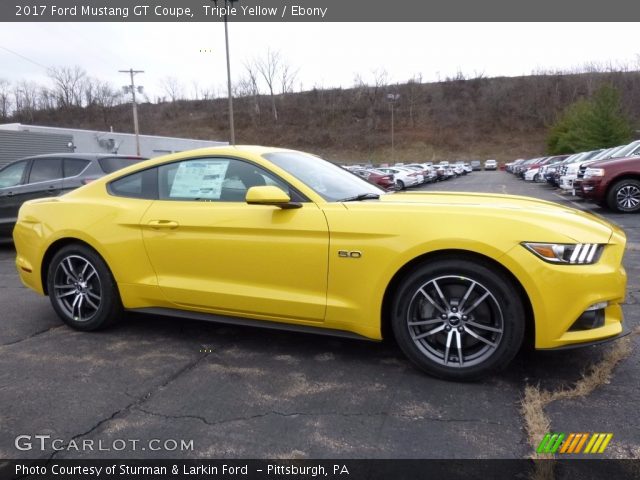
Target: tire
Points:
(492, 310)
(82, 290)
(624, 196)
(536, 177)
(400, 185)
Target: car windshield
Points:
(627, 151)
(331, 182)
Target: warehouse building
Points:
(18, 141)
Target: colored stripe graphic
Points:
(573, 443)
(550, 443)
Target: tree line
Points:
(460, 116)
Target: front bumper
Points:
(593, 189)
(566, 182)
(560, 294)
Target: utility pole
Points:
(392, 98)
(232, 133)
(132, 88)
(227, 5)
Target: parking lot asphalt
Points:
(251, 393)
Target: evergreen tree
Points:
(591, 124)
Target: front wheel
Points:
(400, 185)
(458, 319)
(624, 196)
(81, 288)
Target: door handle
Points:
(9, 194)
(155, 224)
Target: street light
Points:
(392, 98)
(227, 5)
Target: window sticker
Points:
(199, 179)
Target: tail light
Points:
(86, 181)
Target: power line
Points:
(24, 58)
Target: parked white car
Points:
(404, 177)
(490, 165)
(566, 181)
(530, 175)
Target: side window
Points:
(212, 179)
(142, 184)
(44, 169)
(74, 166)
(11, 175)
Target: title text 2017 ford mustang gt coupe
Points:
(283, 239)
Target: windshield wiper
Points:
(361, 196)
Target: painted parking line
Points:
(575, 204)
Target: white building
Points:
(18, 140)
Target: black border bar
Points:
(558, 469)
(320, 11)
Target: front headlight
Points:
(594, 172)
(566, 253)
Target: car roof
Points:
(84, 156)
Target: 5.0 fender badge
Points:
(349, 254)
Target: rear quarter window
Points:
(142, 184)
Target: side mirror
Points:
(270, 195)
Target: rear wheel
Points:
(81, 288)
(624, 196)
(458, 319)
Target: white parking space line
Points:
(575, 204)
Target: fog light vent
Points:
(592, 317)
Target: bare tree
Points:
(269, 68)
(26, 99)
(69, 82)
(5, 98)
(413, 91)
(105, 97)
(173, 88)
(371, 93)
(46, 99)
(251, 86)
(287, 77)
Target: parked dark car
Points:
(50, 175)
(614, 183)
(377, 177)
(476, 165)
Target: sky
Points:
(324, 54)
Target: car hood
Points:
(576, 224)
(612, 162)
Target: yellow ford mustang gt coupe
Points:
(283, 239)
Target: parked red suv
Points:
(614, 183)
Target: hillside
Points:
(502, 118)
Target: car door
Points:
(11, 179)
(44, 180)
(213, 251)
(72, 169)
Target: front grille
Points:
(583, 168)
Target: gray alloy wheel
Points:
(624, 196)
(452, 329)
(81, 288)
(458, 317)
(77, 288)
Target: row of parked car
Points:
(401, 176)
(609, 177)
